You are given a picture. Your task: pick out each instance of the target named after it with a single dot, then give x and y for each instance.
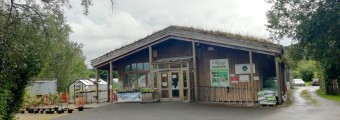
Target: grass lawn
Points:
(306, 95)
(330, 97)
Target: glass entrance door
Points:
(164, 86)
(175, 85)
(171, 86)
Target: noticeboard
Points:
(219, 73)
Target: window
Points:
(146, 66)
(126, 80)
(136, 75)
(184, 65)
(141, 80)
(163, 66)
(133, 67)
(127, 68)
(175, 65)
(155, 80)
(134, 80)
(139, 66)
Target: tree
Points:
(24, 41)
(315, 25)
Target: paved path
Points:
(301, 109)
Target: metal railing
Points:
(229, 95)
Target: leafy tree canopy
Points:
(33, 38)
(315, 25)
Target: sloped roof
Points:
(198, 35)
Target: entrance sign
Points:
(243, 68)
(219, 73)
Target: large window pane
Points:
(139, 66)
(155, 80)
(164, 80)
(146, 66)
(134, 67)
(134, 82)
(126, 81)
(185, 81)
(141, 80)
(127, 68)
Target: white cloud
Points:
(103, 31)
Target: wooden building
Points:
(188, 64)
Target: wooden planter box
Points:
(150, 97)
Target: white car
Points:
(298, 82)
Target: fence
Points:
(334, 87)
(229, 95)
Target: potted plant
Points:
(50, 102)
(70, 109)
(80, 102)
(146, 94)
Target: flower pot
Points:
(49, 112)
(22, 111)
(69, 110)
(80, 108)
(30, 110)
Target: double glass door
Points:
(173, 85)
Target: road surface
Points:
(300, 109)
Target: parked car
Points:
(315, 82)
(298, 82)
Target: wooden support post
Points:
(195, 69)
(278, 77)
(110, 83)
(97, 85)
(151, 77)
(251, 77)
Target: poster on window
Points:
(219, 72)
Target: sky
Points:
(105, 29)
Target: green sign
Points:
(219, 73)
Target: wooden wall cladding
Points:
(242, 91)
(172, 48)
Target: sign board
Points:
(234, 79)
(244, 78)
(129, 97)
(219, 73)
(243, 68)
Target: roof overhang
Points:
(188, 35)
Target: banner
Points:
(219, 72)
(129, 97)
